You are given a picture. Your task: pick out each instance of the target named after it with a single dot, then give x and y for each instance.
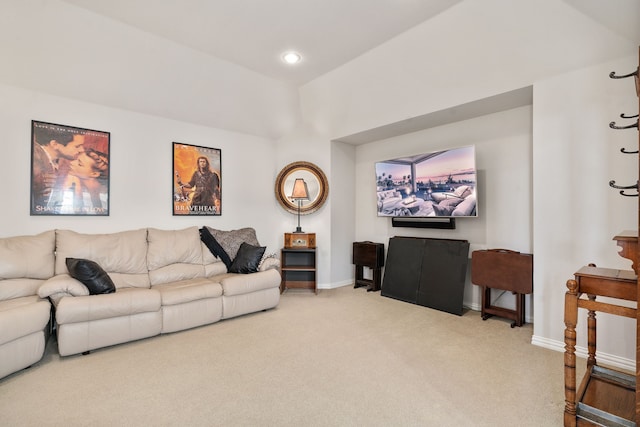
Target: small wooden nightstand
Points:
(298, 269)
(368, 254)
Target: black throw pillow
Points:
(215, 248)
(247, 259)
(91, 275)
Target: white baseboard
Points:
(472, 306)
(603, 358)
(335, 284)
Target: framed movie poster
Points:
(196, 180)
(69, 170)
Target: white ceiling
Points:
(328, 33)
(254, 33)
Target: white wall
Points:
(58, 48)
(70, 53)
(53, 52)
(304, 143)
(471, 51)
(503, 160)
(476, 50)
(141, 181)
(333, 223)
(576, 214)
(557, 157)
(343, 212)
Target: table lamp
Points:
(300, 193)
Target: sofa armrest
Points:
(269, 263)
(22, 316)
(239, 284)
(62, 284)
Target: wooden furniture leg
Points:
(519, 308)
(359, 276)
(377, 280)
(488, 310)
(570, 321)
(373, 284)
(486, 297)
(637, 335)
(591, 334)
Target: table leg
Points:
(486, 301)
(359, 276)
(591, 334)
(570, 321)
(375, 286)
(519, 309)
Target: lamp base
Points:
(298, 230)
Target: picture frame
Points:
(197, 180)
(70, 170)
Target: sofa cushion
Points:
(91, 275)
(30, 257)
(188, 290)
(122, 255)
(168, 247)
(175, 273)
(247, 259)
(215, 269)
(20, 287)
(125, 302)
(174, 255)
(231, 240)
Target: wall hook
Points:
(614, 76)
(624, 150)
(613, 125)
(622, 188)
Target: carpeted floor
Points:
(344, 357)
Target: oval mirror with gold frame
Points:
(317, 185)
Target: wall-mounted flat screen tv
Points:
(436, 184)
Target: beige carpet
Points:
(343, 357)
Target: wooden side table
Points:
(505, 270)
(368, 254)
(605, 396)
(298, 269)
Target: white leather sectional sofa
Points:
(165, 281)
(26, 262)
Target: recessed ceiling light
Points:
(291, 57)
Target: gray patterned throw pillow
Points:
(231, 240)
